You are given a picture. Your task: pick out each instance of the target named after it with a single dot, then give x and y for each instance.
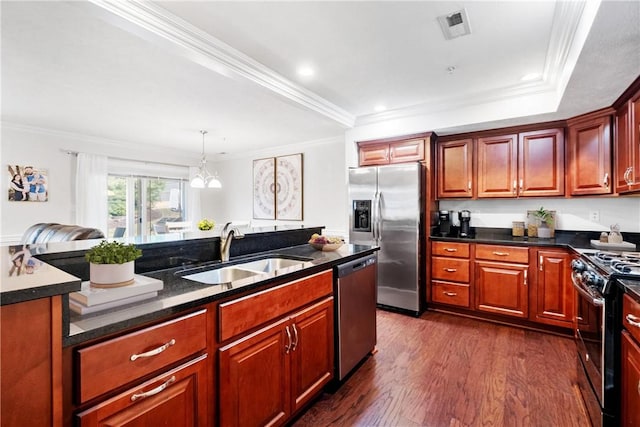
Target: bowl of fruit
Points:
(325, 243)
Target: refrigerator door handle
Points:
(374, 214)
(379, 215)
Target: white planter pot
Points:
(111, 274)
(544, 233)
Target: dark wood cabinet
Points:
(176, 398)
(627, 146)
(589, 143)
(501, 280)
(410, 148)
(521, 165)
(270, 374)
(451, 274)
(553, 293)
(541, 163)
(497, 169)
(630, 383)
(455, 169)
(31, 361)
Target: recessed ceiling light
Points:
(305, 71)
(530, 76)
(379, 108)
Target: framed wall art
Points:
(28, 184)
(288, 187)
(264, 201)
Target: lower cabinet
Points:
(553, 290)
(270, 374)
(630, 394)
(177, 398)
(501, 288)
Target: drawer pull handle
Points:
(154, 391)
(295, 337)
(451, 249)
(605, 181)
(501, 253)
(450, 294)
(633, 320)
(525, 277)
(153, 352)
(287, 347)
(450, 270)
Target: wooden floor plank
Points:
(441, 370)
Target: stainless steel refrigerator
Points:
(386, 210)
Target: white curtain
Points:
(91, 191)
(193, 200)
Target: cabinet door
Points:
(541, 163)
(623, 148)
(373, 154)
(455, 170)
(630, 381)
(406, 151)
(312, 352)
(254, 379)
(634, 175)
(178, 398)
(554, 291)
(501, 288)
(497, 166)
(590, 157)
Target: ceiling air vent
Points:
(455, 24)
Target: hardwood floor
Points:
(444, 370)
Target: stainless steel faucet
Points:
(226, 236)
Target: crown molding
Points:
(199, 46)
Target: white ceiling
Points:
(158, 72)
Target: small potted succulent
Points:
(111, 264)
(545, 222)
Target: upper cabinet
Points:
(389, 151)
(589, 160)
(455, 168)
(518, 164)
(627, 145)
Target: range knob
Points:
(593, 280)
(578, 266)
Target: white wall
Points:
(324, 189)
(571, 214)
(46, 149)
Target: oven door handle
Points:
(578, 287)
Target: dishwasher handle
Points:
(351, 267)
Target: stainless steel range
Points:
(595, 276)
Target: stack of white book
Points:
(91, 299)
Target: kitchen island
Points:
(104, 365)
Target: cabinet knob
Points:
(515, 186)
(521, 185)
(295, 337)
(154, 391)
(469, 185)
(450, 270)
(525, 277)
(451, 249)
(450, 294)
(287, 346)
(633, 320)
(605, 181)
(153, 352)
(501, 253)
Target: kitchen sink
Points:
(221, 275)
(217, 275)
(267, 265)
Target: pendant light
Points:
(203, 178)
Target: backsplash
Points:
(571, 214)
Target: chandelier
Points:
(203, 178)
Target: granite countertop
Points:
(180, 294)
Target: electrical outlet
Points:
(594, 216)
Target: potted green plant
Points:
(111, 264)
(545, 222)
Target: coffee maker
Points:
(465, 220)
(444, 223)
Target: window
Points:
(144, 205)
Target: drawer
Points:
(243, 314)
(450, 269)
(631, 316)
(450, 293)
(452, 249)
(116, 362)
(503, 253)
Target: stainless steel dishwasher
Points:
(355, 312)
